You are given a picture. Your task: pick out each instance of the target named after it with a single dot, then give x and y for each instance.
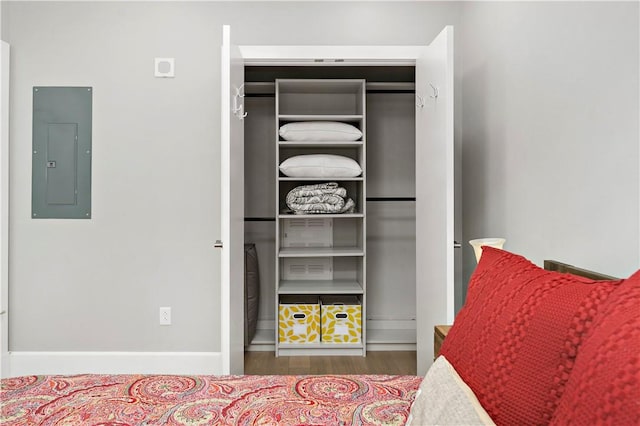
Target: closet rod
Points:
(267, 89)
(259, 219)
(373, 91)
(391, 198)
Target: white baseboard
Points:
(390, 347)
(266, 347)
(390, 324)
(184, 363)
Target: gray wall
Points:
(3, 21)
(550, 131)
(97, 284)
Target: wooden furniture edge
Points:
(439, 334)
(554, 265)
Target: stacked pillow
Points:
(518, 337)
(319, 131)
(604, 386)
(445, 399)
(320, 166)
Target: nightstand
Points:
(439, 333)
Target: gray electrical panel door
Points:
(61, 167)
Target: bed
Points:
(207, 400)
(119, 400)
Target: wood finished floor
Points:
(394, 363)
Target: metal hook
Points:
(238, 110)
(419, 101)
(435, 91)
(239, 90)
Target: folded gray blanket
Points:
(317, 189)
(319, 198)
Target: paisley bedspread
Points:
(120, 400)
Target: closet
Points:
(404, 199)
(369, 253)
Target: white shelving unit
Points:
(342, 100)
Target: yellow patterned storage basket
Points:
(299, 319)
(341, 318)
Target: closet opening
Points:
(384, 204)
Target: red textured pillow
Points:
(604, 387)
(516, 337)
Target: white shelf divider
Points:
(321, 252)
(320, 216)
(323, 179)
(320, 144)
(320, 117)
(320, 287)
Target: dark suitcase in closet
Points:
(251, 292)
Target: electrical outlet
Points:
(165, 316)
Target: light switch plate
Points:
(164, 67)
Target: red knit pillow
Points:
(604, 387)
(516, 337)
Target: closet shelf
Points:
(320, 345)
(321, 252)
(320, 117)
(320, 216)
(320, 287)
(320, 144)
(320, 86)
(323, 179)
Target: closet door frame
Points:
(4, 210)
(231, 240)
(370, 56)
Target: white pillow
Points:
(321, 166)
(319, 131)
(445, 399)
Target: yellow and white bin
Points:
(341, 319)
(299, 319)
